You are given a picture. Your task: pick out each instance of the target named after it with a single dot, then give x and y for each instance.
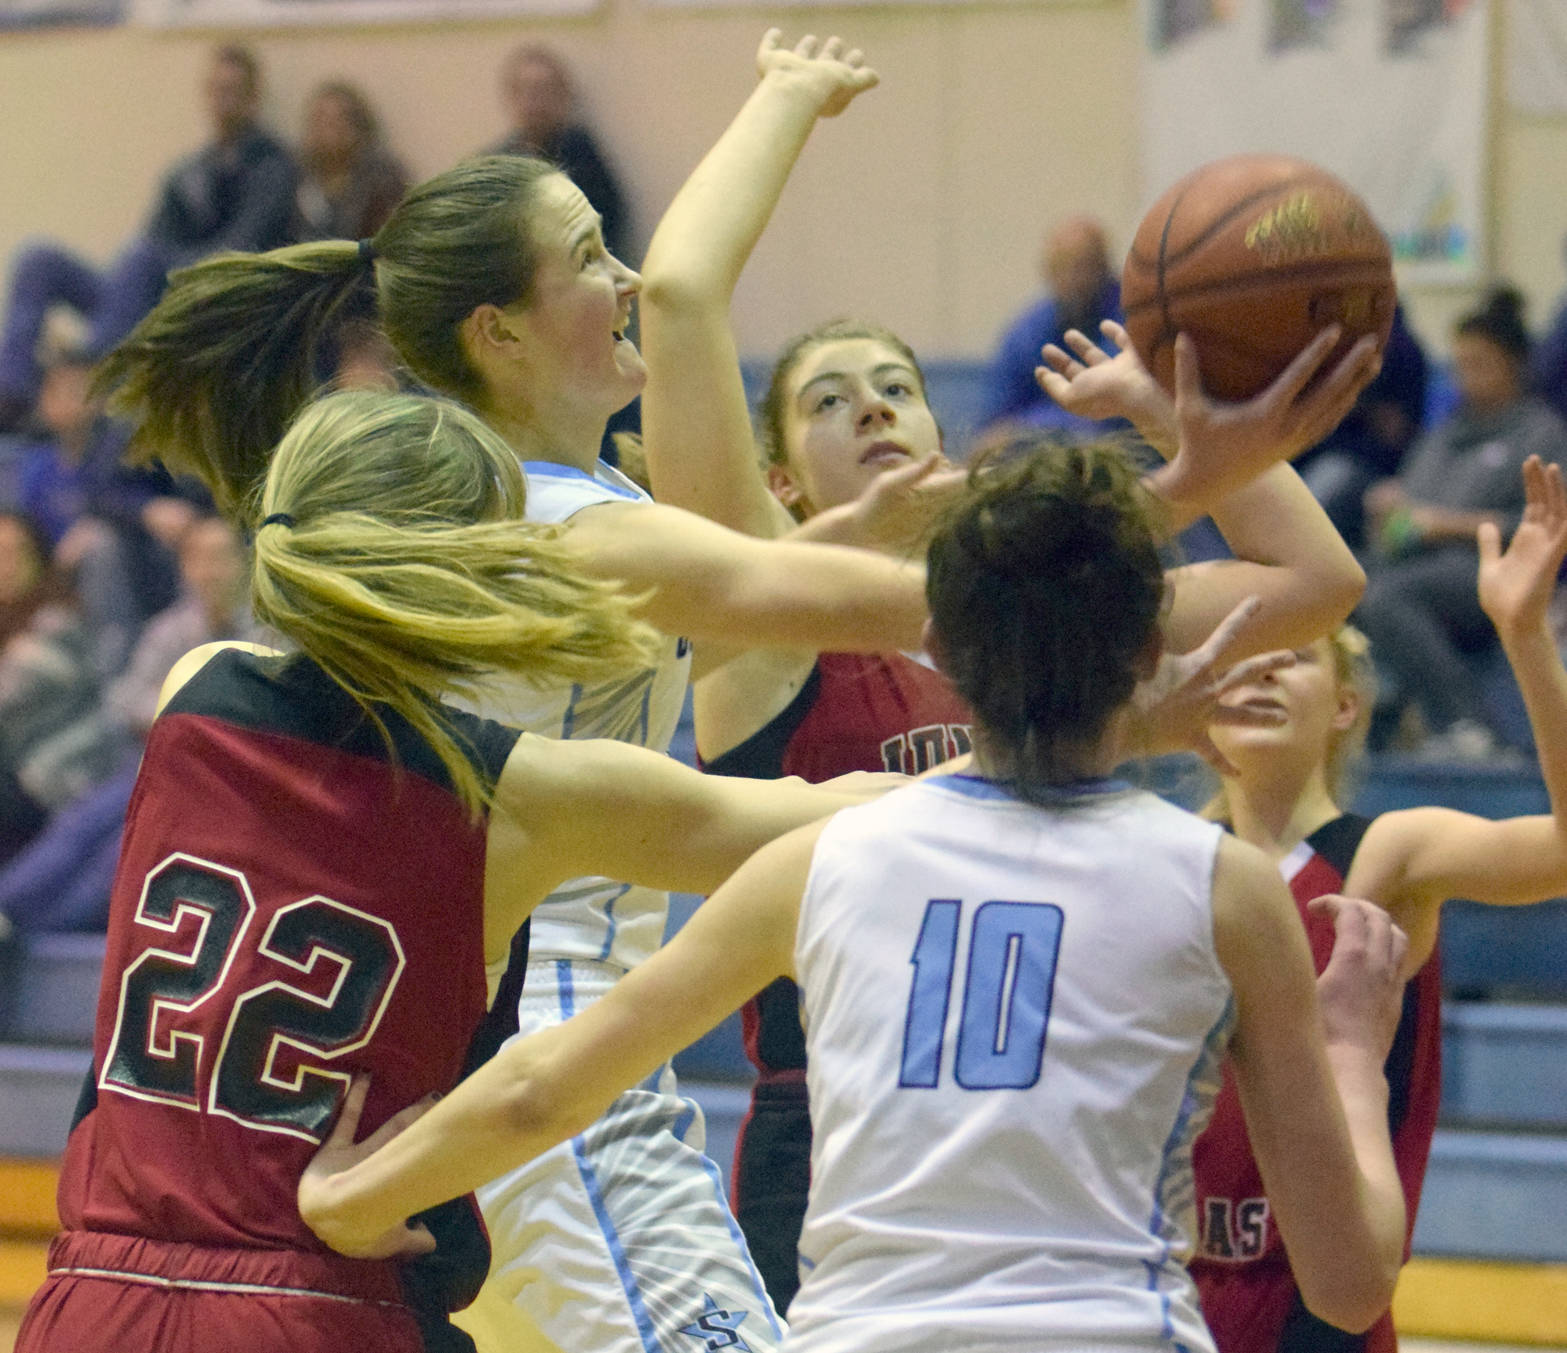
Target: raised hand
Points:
(835, 76)
(1224, 446)
(1184, 698)
(1361, 991)
(897, 510)
(1516, 586)
(338, 1152)
(1092, 383)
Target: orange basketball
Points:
(1252, 256)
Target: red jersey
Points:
(1249, 1297)
(856, 711)
(291, 909)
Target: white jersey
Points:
(594, 918)
(1014, 1019)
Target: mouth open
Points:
(884, 453)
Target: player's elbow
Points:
(534, 1110)
(1342, 585)
(1355, 1295)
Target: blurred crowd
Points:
(109, 573)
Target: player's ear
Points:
(785, 488)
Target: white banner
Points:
(251, 13)
(1537, 57)
(1388, 94)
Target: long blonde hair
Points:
(393, 554)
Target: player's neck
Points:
(1277, 812)
(576, 445)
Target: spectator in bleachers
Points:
(348, 181)
(61, 880)
(537, 92)
(1081, 291)
(236, 192)
(106, 522)
(51, 748)
(1371, 442)
(1420, 608)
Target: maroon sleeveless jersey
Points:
(295, 905)
(872, 712)
(1249, 1297)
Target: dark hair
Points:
(215, 374)
(1500, 319)
(1045, 588)
(243, 59)
(360, 113)
(772, 413)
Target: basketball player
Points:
(1284, 797)
(494, 286)
(1019, 982)
(1283, 793)
(852, 450)
(319, 857)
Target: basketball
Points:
(1252, 256)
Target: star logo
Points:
(718, 1328)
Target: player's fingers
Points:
(1116, 333)
(806, 46)
(905, 476)
(1209, 751)
(1399, 949)
(1057, 386)
(1556, 492)
(1227, 629)
(1254, 669)
(1325, 407)
(347, 1125)
(1489, 541)
(1188, 372)
(854, 57)
(832, 49)
(772, 39)
(1059, 360)
(1087, 350)
(1297, 375)
(400, 1121)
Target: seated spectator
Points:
(51, 745)
(537, 93)
(1081, 291)
(348, 181)
(237, 192)
(108, 524)
(61, 880)
(1371, 441)
(1421, 610)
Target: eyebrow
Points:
(880, 370)
(594, 224)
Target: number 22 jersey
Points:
(1014, 1019)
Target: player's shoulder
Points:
(194, 662)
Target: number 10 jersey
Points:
(1014, 1018)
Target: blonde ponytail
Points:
(395, 557)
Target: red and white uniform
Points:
(289, 908)
(1249, 1296)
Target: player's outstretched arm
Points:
(1413, 861)
(711, 584)
(1287, 552)
(1310, 1077)
(696, 427)
(542, 1089)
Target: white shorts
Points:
(621, 1240)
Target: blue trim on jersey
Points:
(568, 720)
(647, 701)
(1172, 1154)
(978, 787)
(549, 469)
(682, 1124)
(738, 1237)
(590, 1182)
(609, 918)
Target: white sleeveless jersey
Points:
(594, 918)
(1014, 1019)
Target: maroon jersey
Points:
(874, 712)
(295, 905)
(1249, 1297)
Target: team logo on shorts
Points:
(718, 1328)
